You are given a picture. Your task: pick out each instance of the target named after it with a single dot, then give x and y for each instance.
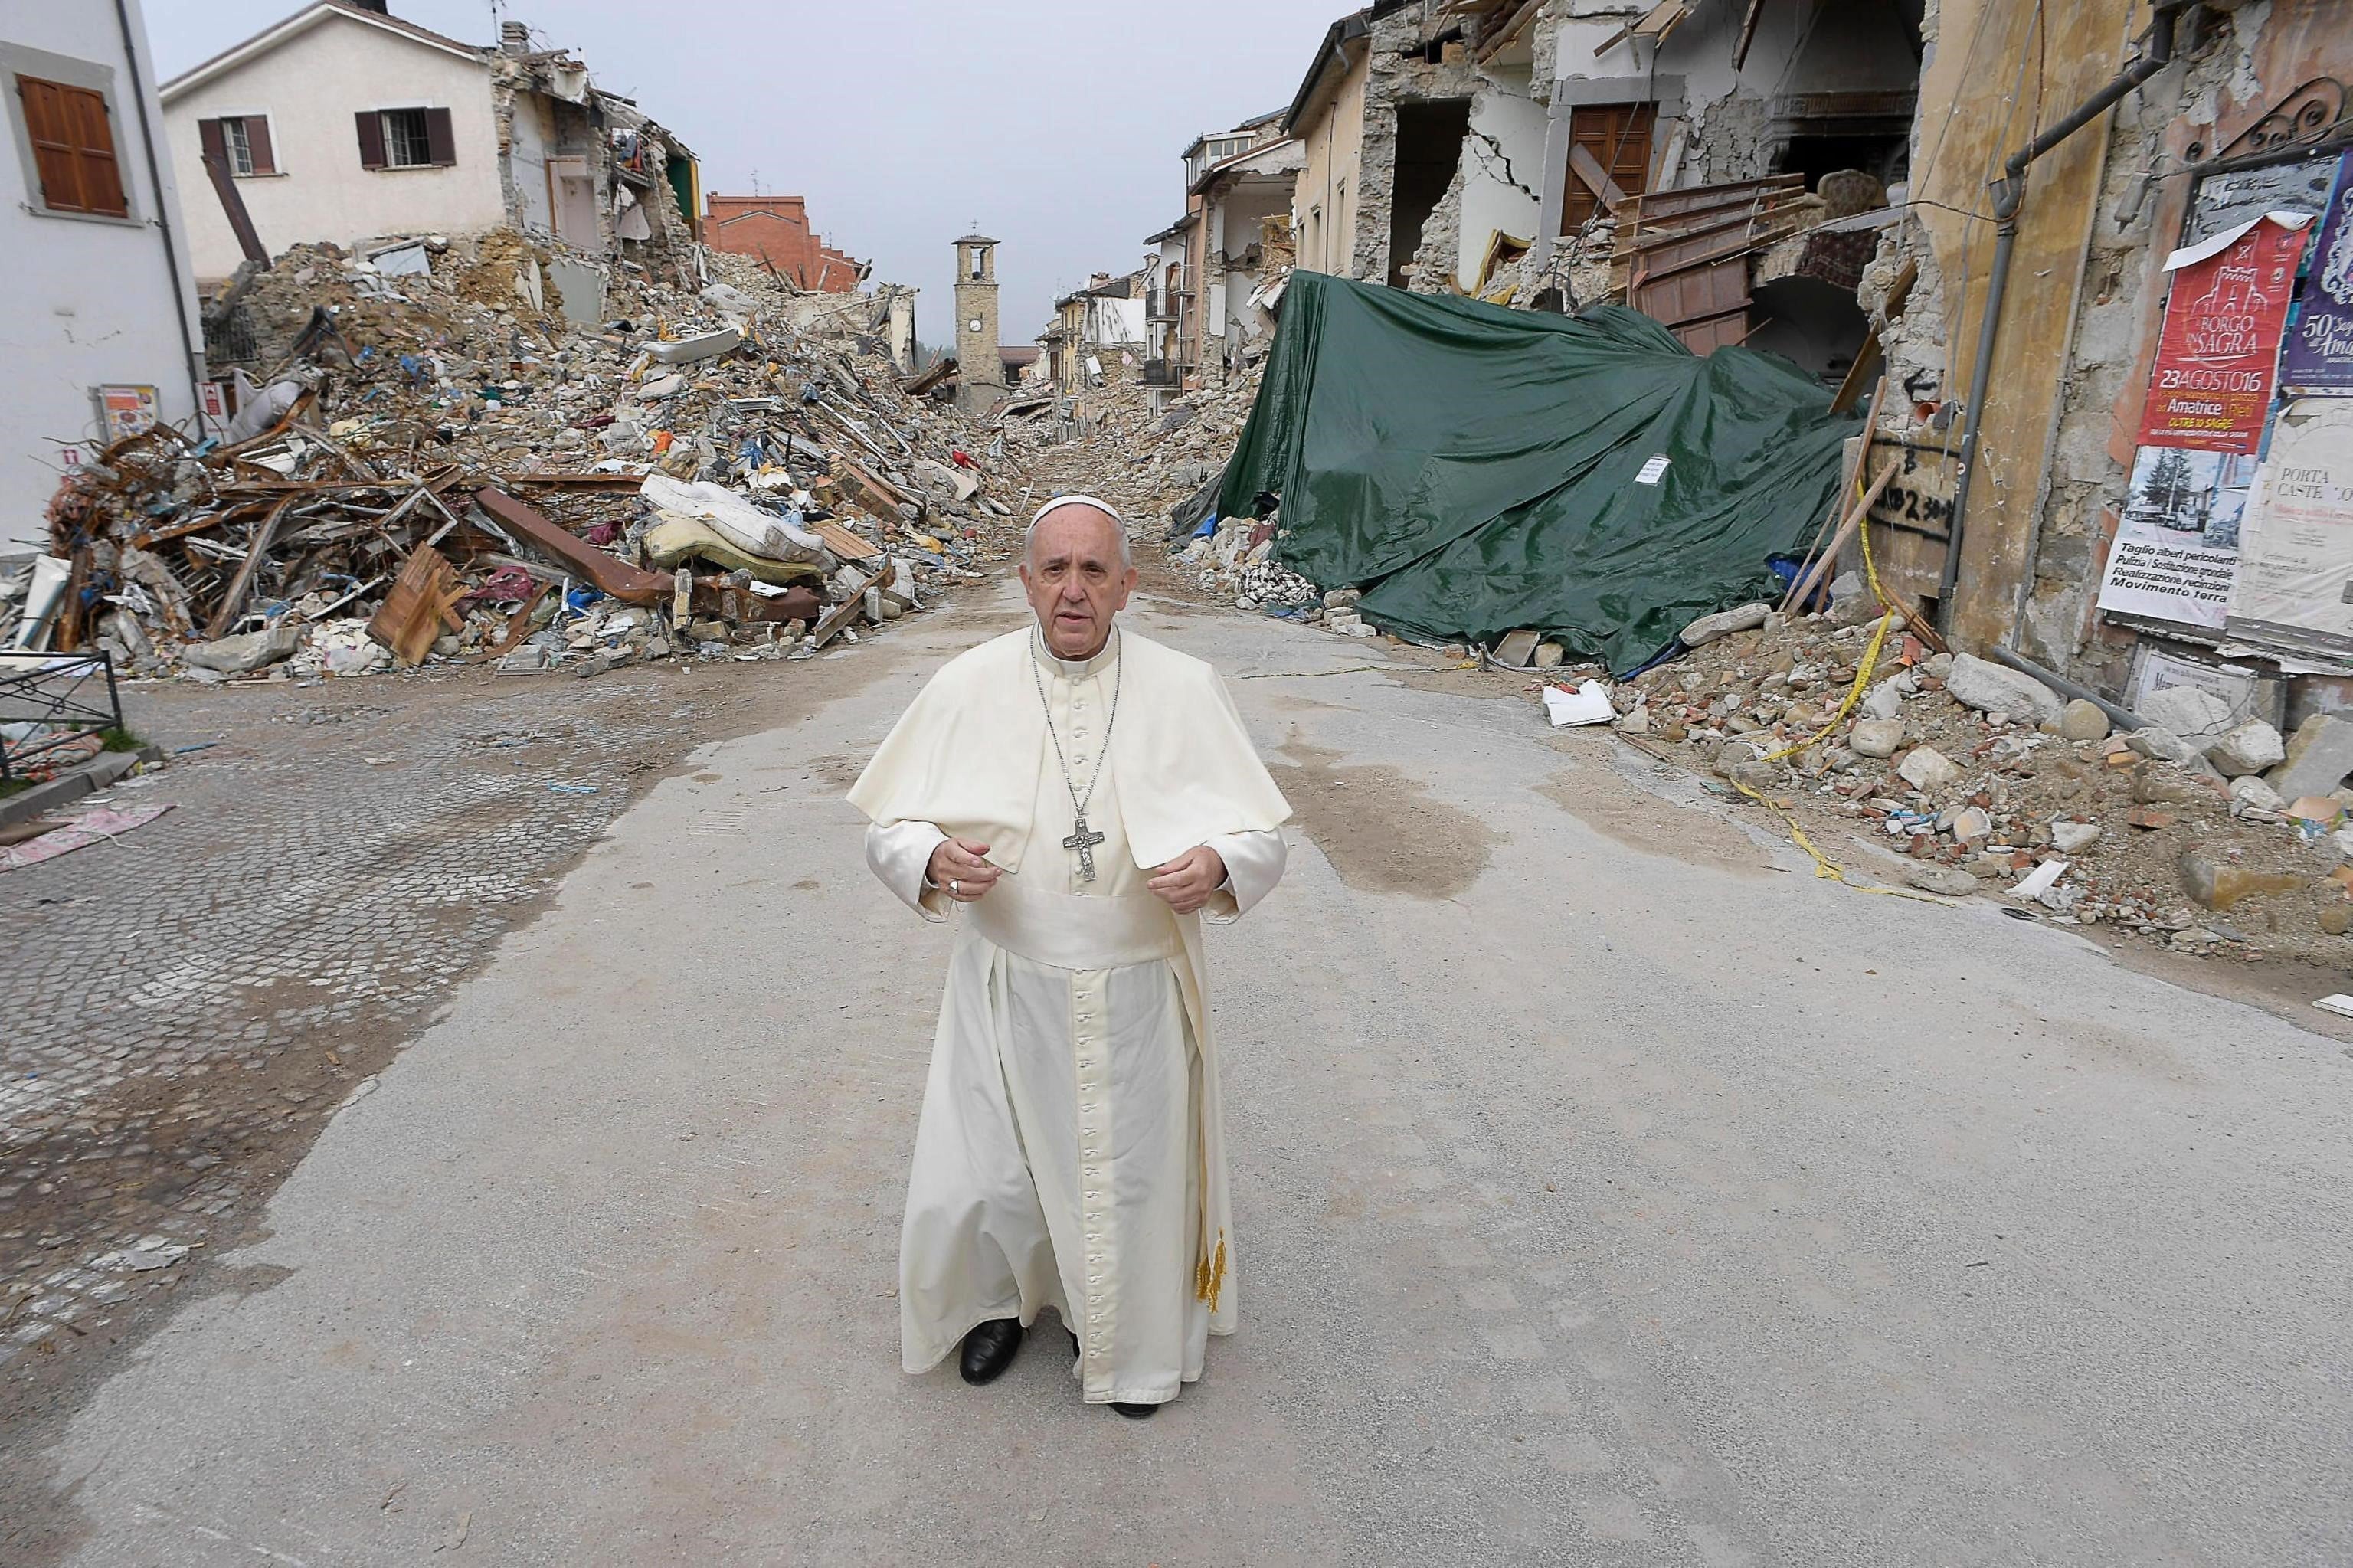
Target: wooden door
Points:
(1618, 135)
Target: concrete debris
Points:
(2248, 748)
(1876, 738)
(1927, 770)
(249, 651)
(1997, 688)
(1986, 791)
(745, 440)
(2196, 715)
(2080, 720)
(2319, 756)
(1724, 623)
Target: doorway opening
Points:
(1429, 145)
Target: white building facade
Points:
(339, 123)
(100, 285)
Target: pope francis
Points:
(1085, 796)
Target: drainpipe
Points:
(2008, 195)
(189, 352)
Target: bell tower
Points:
(980, 373)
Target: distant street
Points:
(1610, 1191)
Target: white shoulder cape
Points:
(965, 754)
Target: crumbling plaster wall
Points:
(1971, 113)
(1496, 184)
(1392, 78)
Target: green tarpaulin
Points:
(1478, 470)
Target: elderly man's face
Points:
(1075, 580)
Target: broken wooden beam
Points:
(609, 574)
(265, 532)
(840, 615)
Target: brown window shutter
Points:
(440, 139)
(257, 142)
(371, 128)
(101, 179)
(53, 155)
(213, 141)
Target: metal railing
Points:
(54, 689)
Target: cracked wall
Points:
(1394, 76)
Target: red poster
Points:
(2219, 348)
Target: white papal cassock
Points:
(1069, 1152)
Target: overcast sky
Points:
(1055, 125)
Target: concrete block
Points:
(2319, 756)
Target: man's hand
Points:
(957, 870)
(1186, 883)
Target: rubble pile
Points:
(2200, 830)
(439, 464)
(1165, 458)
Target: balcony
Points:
(1163, 373)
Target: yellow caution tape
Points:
(1823, 866)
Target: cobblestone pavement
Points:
(188, 1004)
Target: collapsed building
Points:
(289, 128)
(777, 230)
(1926, 197)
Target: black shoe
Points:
(990, 1348)
(1134, 1412)
(1074, 1343)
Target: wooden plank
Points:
(1502, 37)
(419, 606)
(610, 574)
(548, 479)
(519, 623)
(1591, 173)
(1694, 293)
(265, 532)
(839, 616)
(842, 541)
(1747, 34)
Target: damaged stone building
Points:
(2153, 488)
(1209, 281)
(345, 124)
(1098, 333)
(1925, 196)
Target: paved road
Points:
(1606, 1195)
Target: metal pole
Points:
(190, 351)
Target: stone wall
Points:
(1393, 77)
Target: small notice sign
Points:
(124, 410)
(1652, 470)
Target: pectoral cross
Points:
(1084, 842)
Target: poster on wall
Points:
(2295, 571)
(2317, 357)
(2176, 545)
(2226, 201)
(124, 410)
(2220, 345)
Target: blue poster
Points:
(2318, 356)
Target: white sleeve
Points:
(900, 854)
(1254, 862)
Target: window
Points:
(405, 139)
(73, 148)
(405, 143)
(240, 142)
